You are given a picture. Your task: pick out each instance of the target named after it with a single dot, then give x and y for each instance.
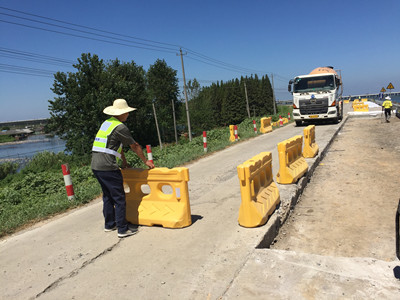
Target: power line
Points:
(86, 32)
(227, 65)
(34, 57)
(81, 36)
(221, 67)
(91, 28)
(26, 71)
(148, 45)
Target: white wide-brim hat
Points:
(388, 98)
(118, 108)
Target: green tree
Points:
(128, 81)
(233, 103)
(77, 111)
(267, 103)
(193, 89)
(163, 91)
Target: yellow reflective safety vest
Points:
(100, 142)
(387, 104)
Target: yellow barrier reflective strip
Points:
(167, 201)
(259, 193)
(311, 148)
(266, 125)
(292, 164)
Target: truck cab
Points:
(317, 96)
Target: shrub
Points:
(8, 168)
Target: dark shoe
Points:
(127, 233)
(110, 229)
(132, 226)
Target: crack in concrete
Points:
(238, 270)
(75, 272)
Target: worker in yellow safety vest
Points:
(387, 107)
(107, 147)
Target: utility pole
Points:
(247, 100)
(173, 113)
(186, 97)
(158, 130)
(273, 93)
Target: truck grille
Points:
(313, 106)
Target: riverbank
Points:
(25, 142)
(27, 148)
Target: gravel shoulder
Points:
(339, 240)
(348, 208)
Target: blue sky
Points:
(284, 38)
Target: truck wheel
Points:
(298, 123)
(335, 120)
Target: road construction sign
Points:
(383, 90)
(390, 86)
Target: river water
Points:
(29, 147)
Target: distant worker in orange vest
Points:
(387, 106)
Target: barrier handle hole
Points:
(145, 188)
(167, 189)
(127, 189)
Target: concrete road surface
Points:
(71, 257)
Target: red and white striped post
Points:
(149, 154)
(205, 141)
(236, 133)
(288, 116)
(280, 121)
(68, 182)
(255, 126)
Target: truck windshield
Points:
(313, 84)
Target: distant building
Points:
(18, 134)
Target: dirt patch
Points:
(348, 208)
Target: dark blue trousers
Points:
(114, 204)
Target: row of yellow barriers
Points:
(259, 193)
(266, 126)
(359, 101)
(360, 107)
(160, 196)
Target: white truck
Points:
(316, 96)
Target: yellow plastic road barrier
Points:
(266, 125)
(285, 120)
(260, 194)
(346, 101)
(364, 99)
(311, 148)
(292, 164)
(360, 107)
(232, 137)
(158, 196)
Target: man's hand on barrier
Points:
(150, 164)
(138, 150)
